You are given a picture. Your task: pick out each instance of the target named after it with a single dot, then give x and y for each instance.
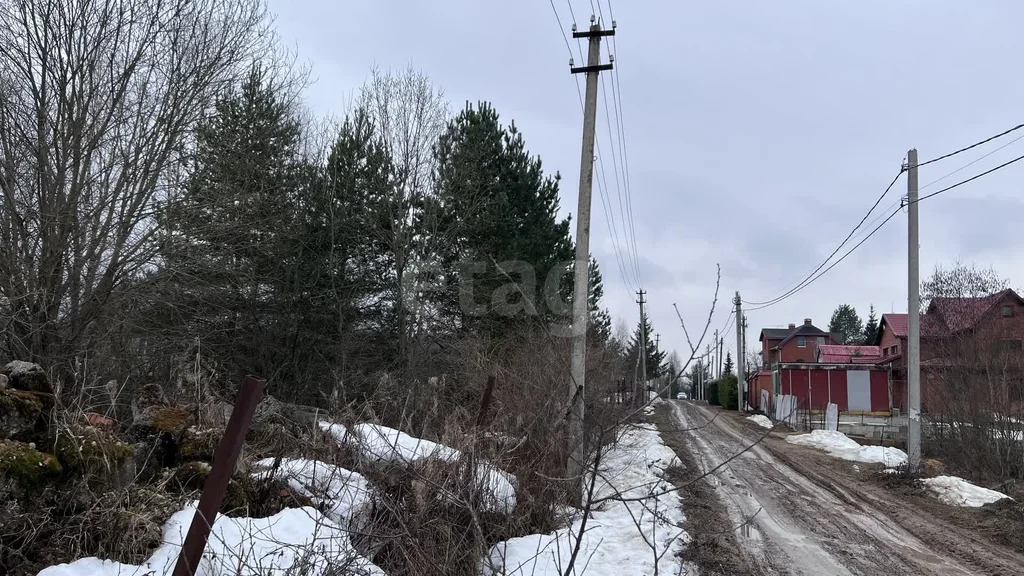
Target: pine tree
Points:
(600, 331)
(847, 324)
(494, 226)
(871, 328)
(728, 363)
(655, 357)
(227, 253)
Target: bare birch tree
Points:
(97, 99)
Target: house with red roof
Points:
(949, 328)
(960, 338)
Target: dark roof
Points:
(804, 330)
(774, 333)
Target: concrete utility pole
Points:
(740, 396)
(643, 340)
(581, 272)
(714, 359)
(913, 320)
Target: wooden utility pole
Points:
(581, 271)
(740, 374)
(913, 320)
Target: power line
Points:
(975, 145)
(972, 178)
(971, 163)
(850, 251)
(621, 125)
(894, 213)
(834, 252)
(609, 215)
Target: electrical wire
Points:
(894, 213)
(972, 178)
(793, 290)
(609, 215)
(975, 145)
(971, 163)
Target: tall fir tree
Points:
(727, 369)
(600, 330)
(494, 227)
(871, 327)
(654, 356)
(227, 252)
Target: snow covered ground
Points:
(842, 446)
(380, 444)
(959, 492)
(761, 420)
(278, 545)
(620, 537)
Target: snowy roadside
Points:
(959, 492)
(842, 446)
(619, 537)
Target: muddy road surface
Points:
(798, 514)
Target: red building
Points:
(954, 331)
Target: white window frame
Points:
(801, 342)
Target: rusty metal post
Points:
(217, 482)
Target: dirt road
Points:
(799, 516)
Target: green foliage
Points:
(25, 464)
(728, 363)
(846, 323)
(871, 327)
(655, 357)
(711, 393)
(495, 229)
(600, 330)
(726, 388)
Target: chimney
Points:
(792, 326)
(807, 321)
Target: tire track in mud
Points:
(797, 523)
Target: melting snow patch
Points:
(959, 492)
(842, 446)
(761, 420)
(293, 540)
(381, 444)
(617, 535)
(340, 492)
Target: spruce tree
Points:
(227, 252)
(654, 356)
(727, 369)
(871, 328)
(494, 226)
(600, 331)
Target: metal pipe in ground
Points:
(217, 482)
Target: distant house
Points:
(794, 344)
(950, 327)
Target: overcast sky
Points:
(758, 133)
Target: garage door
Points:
(858, 390)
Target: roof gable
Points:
(805, 330)
(959, 314)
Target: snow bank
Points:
(959, 492)
(842, 446)
(339, 492)
(382, 444)
(761, 420)
(612, 543)
(282, 543)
